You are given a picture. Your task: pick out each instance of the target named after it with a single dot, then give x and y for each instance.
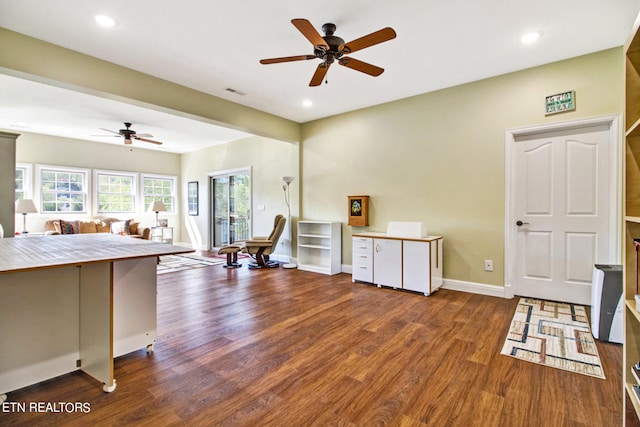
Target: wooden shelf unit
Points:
(632, 211)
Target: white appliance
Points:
(607, 303)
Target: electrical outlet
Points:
(488, 265)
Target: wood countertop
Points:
(389, 236)
(38, 252)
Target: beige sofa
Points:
(97, 225)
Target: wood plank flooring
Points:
(292, 348)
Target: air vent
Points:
(237, 92)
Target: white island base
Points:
(75, 302)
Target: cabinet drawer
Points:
(362, 244)
(362, 258)
(362, 272)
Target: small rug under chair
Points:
(173, 263)
(553, 334)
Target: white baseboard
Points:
(477, 288)
(462, 286)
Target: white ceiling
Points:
(214, 45)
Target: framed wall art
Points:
(359, 211)
(192, 198)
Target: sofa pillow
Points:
(121, 227)
(103, 226)
(69, 227)
(133, 227)
(87, 227)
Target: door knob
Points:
(520, 223)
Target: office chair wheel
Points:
(109, 388)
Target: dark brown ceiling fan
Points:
(130, 134)
(331, 48)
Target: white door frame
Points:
(217, 174)
(615, 190)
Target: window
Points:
(23, 181)
(115, 192)
(162, 188)
(63, 190)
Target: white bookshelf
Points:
(320, 246)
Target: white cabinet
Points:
(320, 246)
(414, 264)
(422, 265)
(162, 234)
(387, 262)
(362, 261)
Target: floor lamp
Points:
(287, 198)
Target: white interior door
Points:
(562, 211)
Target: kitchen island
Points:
(74, 302)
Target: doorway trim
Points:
(614, 122)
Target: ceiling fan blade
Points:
(148, 140)
(287, 59)
(374, 38)
(361, 66)
(318, 76)
(112, 131)
(310, 33)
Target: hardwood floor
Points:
(293, 348)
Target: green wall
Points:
(268, 160)
(439, 158)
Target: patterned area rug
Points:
(553, 334)
(173, 263)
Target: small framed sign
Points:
(359, 211)
(560, 102)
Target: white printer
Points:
(607, 303)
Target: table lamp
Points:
(157, 206)
(25, 206)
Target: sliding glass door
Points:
(231, 200)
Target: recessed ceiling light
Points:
(105, 21)
(530, 37)
(307, 103)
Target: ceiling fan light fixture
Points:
(331, 48)
(129, 135)
(105, 21)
